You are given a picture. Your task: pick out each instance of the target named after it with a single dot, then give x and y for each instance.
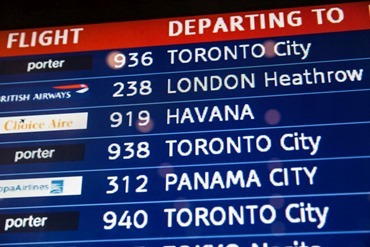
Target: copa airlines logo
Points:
(41, 187)
(59, 92)
(41, 123)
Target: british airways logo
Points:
(58, 92)
(79, 88)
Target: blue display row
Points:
(230, 82)
(195, 148)
(360, 239)
(249, 113)
(186, 220)
(274, 179)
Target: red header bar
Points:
(233, 26)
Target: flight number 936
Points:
(118, 60)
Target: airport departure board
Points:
(242, 129)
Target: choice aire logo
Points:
(58, 92)
(41, 187)
(41, 123)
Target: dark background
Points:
(29, 14)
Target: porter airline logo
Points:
(40, 187)
(41, 123)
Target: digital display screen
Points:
(242, 129)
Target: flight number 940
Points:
(128, 220)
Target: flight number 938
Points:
(128, 150)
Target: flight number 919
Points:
(117, 118)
